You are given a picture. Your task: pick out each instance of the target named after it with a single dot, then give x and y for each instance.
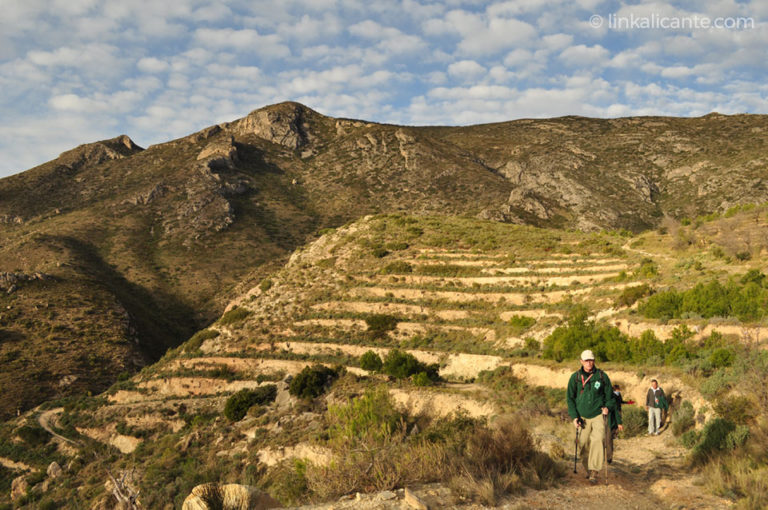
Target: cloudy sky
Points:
(76, 71)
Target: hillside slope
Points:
(480, 299)
(167, 235)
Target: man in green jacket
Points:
(590, 397)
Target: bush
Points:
(265, 284)
(397, 267)
(718, 435)
(401, 365)
(683, 418)
(738, 409)
(635, 420)
(721, 358)
(567, 342)
(630, 295)
(421, 379)
(379, 252)
(238, 404)
(33, 436)
(520, 324)
(379, 324)
(690, 438)
(371, 416)
(312, 381)
(198, 338)
(370, 361)
(234, 316)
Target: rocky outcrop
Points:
(11, 219)
(91, 154)
(284, 124)
(229, 497)
(19, 487)
(9, 282)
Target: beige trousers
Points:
(591, 443)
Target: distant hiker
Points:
(655, 401)
(615, 420)
(590, 399)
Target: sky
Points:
(78, 71)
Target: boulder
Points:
(54, 470)
(228, 497)
(19, 487)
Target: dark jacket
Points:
(615, 414)
(658, 399)
(586, 400)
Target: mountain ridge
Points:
(170, 231)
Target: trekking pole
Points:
(576, 448)
(606, 430)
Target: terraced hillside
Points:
(154, 242)
(488, 306)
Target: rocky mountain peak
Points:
(98, 152)
(286, 124)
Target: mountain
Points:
(111, 254)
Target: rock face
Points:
(283, 124)
(54, 470)
(19, 487)
(228, 497)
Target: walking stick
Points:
(576, 448)
(606, 431)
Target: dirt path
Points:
(45, 421)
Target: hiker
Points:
(615, 420)
(655, 401)
(590, 400)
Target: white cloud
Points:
(466, 70)
(243, 40)
(584, 56)
(152, 65)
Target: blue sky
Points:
(76, 71)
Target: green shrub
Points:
(265, 284)
(721, 358)
(717, 384)
(520, 324)
(370, 361)
(312, 381)
(647, 269)
(713, 440)
(567, 342)
(396, 246)
(690, 438)
(738, 409)
(447, 270)
(234, 316)
(397, 267)
(630, 295)
(421, 379)
(401, 365)
(635, 420)
(371, 416)
(238, 404)
(379, 324)
(194, 343)
(32, 435)
(379, 252)
(683, 418)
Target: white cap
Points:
(587, 355)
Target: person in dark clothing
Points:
(615, 420)
(590, 400)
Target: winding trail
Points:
(45, 421)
